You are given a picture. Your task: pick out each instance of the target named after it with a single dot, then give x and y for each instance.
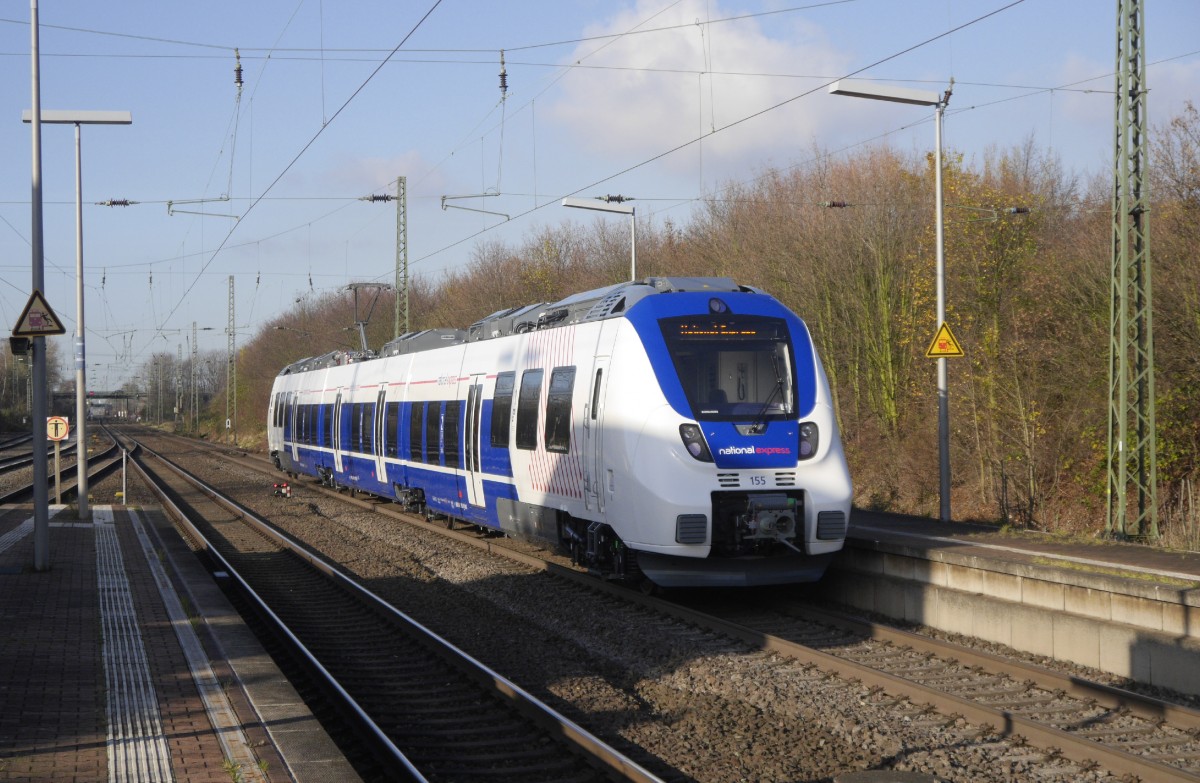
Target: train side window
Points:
(502, 408)
(450, 433)
(433, 428)
(368, 427)
(415, 418)
(596, 393)
(391, 429)
(558, 409)
(527, 409)
(355, 426)
(327, 425)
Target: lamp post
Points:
(861, 89)
(613, 204)
(79, 118)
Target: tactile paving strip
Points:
(137, 749)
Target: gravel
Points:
(688, 704)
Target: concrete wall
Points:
(1128, 627)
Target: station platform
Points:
(1129, 609)
(1027, 546)
(124, 662)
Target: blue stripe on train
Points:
(445, 492)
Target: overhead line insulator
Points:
(503, 77)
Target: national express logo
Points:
(765, 450)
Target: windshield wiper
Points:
(760, 421)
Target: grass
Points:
(1124, 574)
(233, 769)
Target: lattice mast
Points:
(1132, 444)
(231, 369)
(401, 316)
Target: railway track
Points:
(924, 680)
(1090, 723)
(99, 464)
(25, 459)
(429, 711)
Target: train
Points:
(675, 429)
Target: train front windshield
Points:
(733, 368)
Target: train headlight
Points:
(809, 440)
(693, 441)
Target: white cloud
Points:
(676, 86)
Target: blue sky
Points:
(664, 100)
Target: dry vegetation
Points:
(1028, 297)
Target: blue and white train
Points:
(676, 428)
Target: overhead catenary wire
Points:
(740, 121)
(712, 129)
(301, 153)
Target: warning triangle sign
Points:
(37, 319)
(944, 344)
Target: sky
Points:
(665, 101)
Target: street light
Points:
(613, 204)
(78, 118)
(878, 92)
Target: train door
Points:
(471, 441)
(291, 424)
(380, 436)
(593, 449)
(337, 434)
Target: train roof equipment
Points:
(594, 305)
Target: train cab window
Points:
(733, 367)
(433, 429)
(450, 430)
(391, 430)
(416, 419)
(558, 409)
(502, 408)
(527, 409)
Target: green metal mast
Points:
(1132, 446)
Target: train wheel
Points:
(449, 523)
